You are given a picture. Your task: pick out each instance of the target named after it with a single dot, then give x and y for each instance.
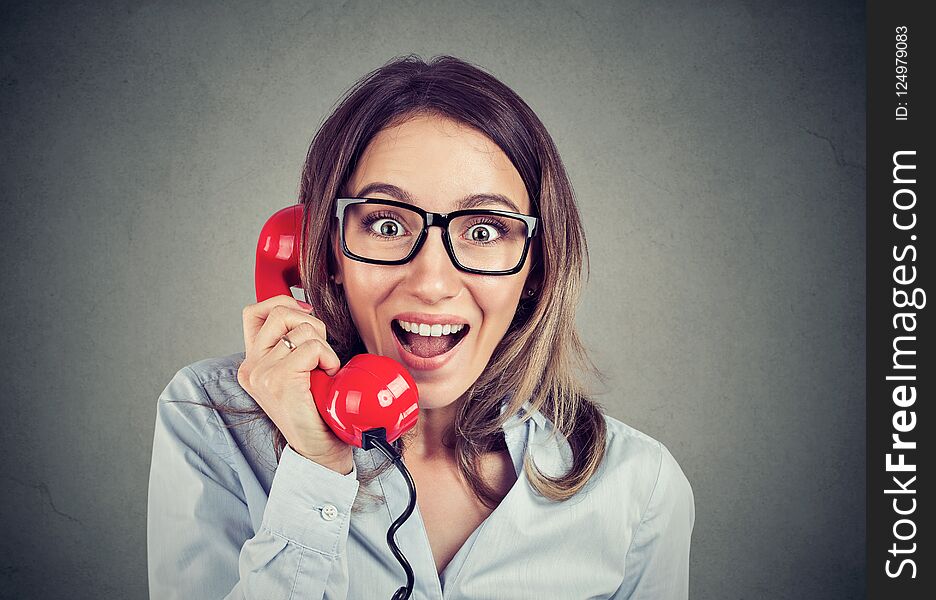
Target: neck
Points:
(425, 442)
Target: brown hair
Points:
(540, 358)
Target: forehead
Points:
(439, 163)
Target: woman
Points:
(525, 489)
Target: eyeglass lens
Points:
(481, 242)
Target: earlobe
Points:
(336, 277)
(532, 285)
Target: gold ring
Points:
(288, 343)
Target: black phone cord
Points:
(376, 438)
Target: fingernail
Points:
(304, 305)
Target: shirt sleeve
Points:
(200, 540)
(656, 566)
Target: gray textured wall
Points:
(717, 150)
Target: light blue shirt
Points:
(227, 520)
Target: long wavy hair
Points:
(541, 358)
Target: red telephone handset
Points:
(370, 391)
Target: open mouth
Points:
(427, 341)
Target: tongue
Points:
(427, 347)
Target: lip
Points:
(419, 363)
(414, 317)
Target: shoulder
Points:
(201, 375)
(212, 379)
(197, 390)
(642, 469)
(656, 530)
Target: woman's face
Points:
(437, 162)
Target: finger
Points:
(280, 322)
(312, 354)
(297, 336)
(255, 315)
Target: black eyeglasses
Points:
(388, 232)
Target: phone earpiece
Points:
(369, 392)
(277, 267)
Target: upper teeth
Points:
(426, 330)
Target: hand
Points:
(277, 378)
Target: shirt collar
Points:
(549, 450)
(550, 453)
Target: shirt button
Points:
(329, 512)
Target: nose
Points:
(432, 277)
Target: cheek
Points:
(360, 278)
(498, 303)
(364, 287)
(358, 300)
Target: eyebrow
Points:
(470, 201)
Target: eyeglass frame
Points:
(433, 219)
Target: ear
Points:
(535, 278)
(337, 276)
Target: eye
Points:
(387, 227)
(487, 229)
(482, 232)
